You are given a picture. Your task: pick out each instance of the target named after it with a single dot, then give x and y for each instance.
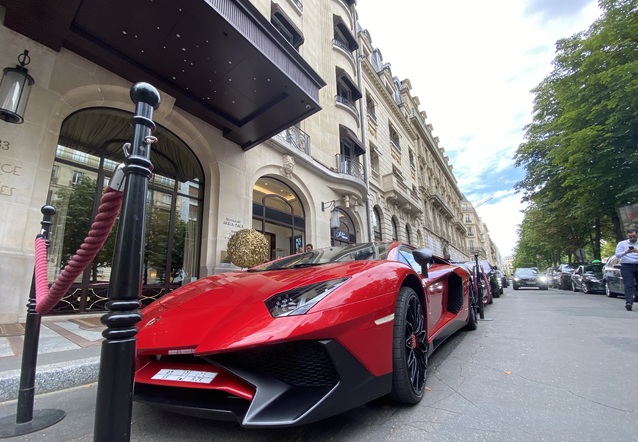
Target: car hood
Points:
(227, 311)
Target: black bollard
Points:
(480, 292)
(26, 419)
(117, 361)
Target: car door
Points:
(577, 278)
(611, 275)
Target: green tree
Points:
(580, 147)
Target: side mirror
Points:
(423, 257)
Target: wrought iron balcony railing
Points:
(347, 103)
(296, 137)
(349, 166)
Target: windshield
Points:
(594, 268)
(526, 273)
(352, 252)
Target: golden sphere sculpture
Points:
(247, 248)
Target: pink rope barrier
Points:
(47, 298)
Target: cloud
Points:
(556, 9)
(473, 66)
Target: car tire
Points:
(608, 292)
(584, 288)
(409, 348)
(543, 287)
(515, 287)
(472, 323)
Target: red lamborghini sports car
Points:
(304, 337)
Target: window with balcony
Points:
(286, 27)
(412, 161)
(350, 147)
(374, 161)
(371, 106)
(468, 218)
(469, 232)
(394, 138)
(343, 38)
(347, 91)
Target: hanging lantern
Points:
(334, 219)
(15, 88)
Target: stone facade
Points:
(368, 153)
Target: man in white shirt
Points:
(627, 251)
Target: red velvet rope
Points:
(47, 298)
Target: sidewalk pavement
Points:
(68, 354)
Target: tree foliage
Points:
(582, 144)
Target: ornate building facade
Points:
(275, 115)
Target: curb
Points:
(52, 377)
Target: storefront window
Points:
(279, 215)
(89, 150)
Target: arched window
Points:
(89, 149)
(278, 214)
(376, 224)
(345, 233)
(395, 231)
(408, 236)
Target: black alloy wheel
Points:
(584, 288)
(472, 322)
(608, 292)
(409, 348)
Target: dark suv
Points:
(528, 277)
(564, 276)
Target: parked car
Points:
(552, 277)
(612, 279)
(588, 278)
(529, 277)
(564, 276)
(484, 279)
(504, 279)
(304, 337)
(492, 275)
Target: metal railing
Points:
(349, 166)
(344, 47)
(296, 137)
(347, 103)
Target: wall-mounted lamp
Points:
(334, 213)
(327, 205)
(15, 88)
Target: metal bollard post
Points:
(117, 362)
(26, 419)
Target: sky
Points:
(473, 65)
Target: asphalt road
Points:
(545, 366)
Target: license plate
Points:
(200, 377)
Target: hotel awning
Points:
(221, 59)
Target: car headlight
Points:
(301, 299)
(543, 279)
(516, 278)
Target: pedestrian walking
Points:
(627, 251)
